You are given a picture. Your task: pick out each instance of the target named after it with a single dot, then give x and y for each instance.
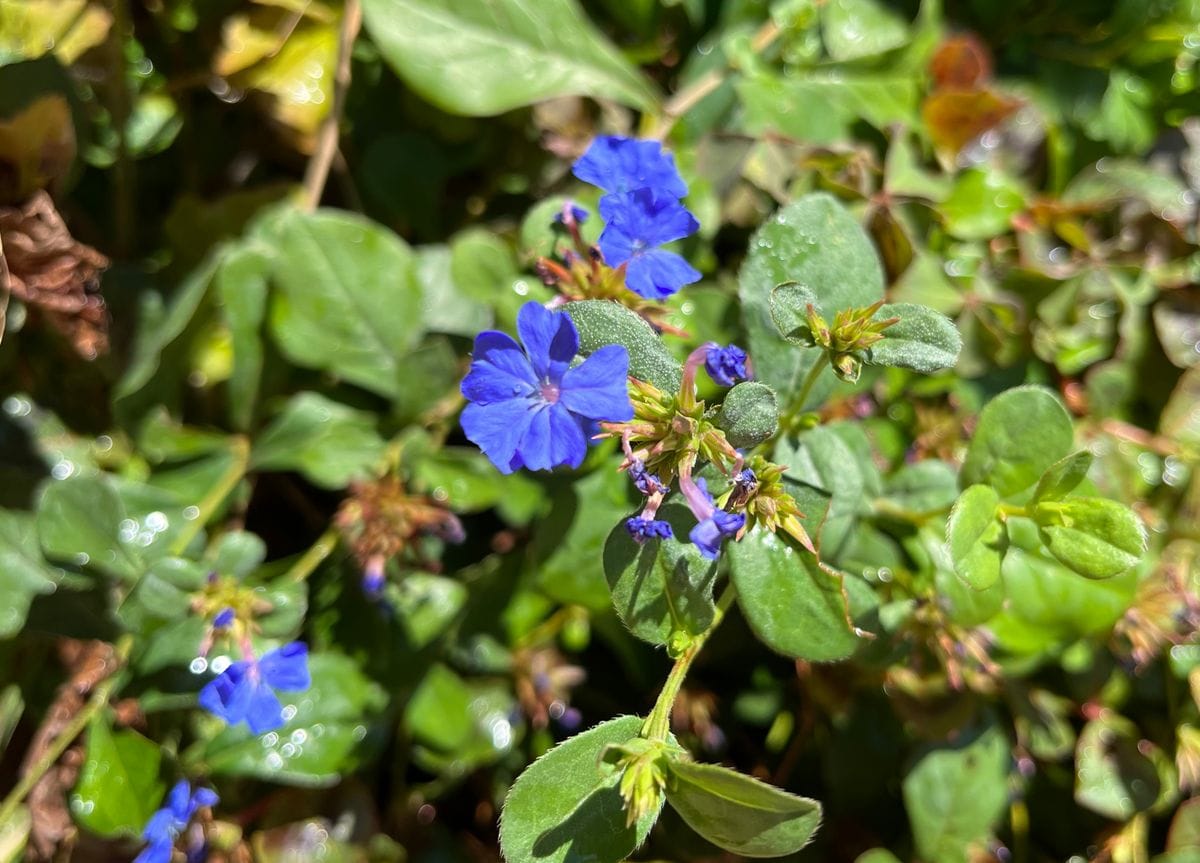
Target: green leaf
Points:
(562, 809)
(789, 311)
(459, 725)
(927, 486)
(662, 586)
(954, 795)
(14, 834)
(329, 443)
(749, 414)
(981, 204)
(347, 297)
(241, 282)
(1113, 774)
(466, 481)
(322, 740)
(792, 605)
(739, 813)
(1097, 538)
(238, 553)
(1061, 478)
(427, 605)
(1021, 433)
(922, 340)
(482, 59)
(24, 573)
(568, 544)
(821, 105)
(602, 322)
(447, 307)
(860, 28)
(817, 243)
(118, 787)
(163, 593)
(837, 459)
(1048, 604)
(79, 520)
(976, 537)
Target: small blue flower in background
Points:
(530, 408)
(642, 529)
(167, 823)
(223, 619)
(645, 482)
(618, 164)
(245, 691)
(726, 366)
(636, 224)
(715, 525)
(577, 214)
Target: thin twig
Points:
(695, 92)
(312, 558)
(317, 171)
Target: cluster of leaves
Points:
(986, 654)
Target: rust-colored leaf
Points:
(961, 63)
(54, 274)
(953, 118)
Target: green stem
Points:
(216, 495)
(658, 723)
(810, 380)
(312, 558)
(72, 730)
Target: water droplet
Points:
(191, 513)
(157, 522)
(199, 665)
(62, 469)
(220, 663)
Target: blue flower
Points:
(618, 165)
(642, 529)
(726, 366)
(530, 408)
(224, 618)
(578, 214)
(636, 224)
(646, 482)
(710, 531)
(167, 823)
(245, 691)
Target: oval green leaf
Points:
(749, 414)
(563, 809)
(791, 604)
(922, 340)
(118, 787)
(662, 586)
(79, 520)
(976, 537)
(1062, 477)
(481, 59)
(602, 322)
(1021, 433)
(739, 813)
(1097, 538)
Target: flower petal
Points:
(160, 826)
(286, 667)
(177, 801)
(499, 370)
(497, 428)
(550, 338)
(228, 694)
(568, 444)
(263, 710)
(597, 388)
(202, 797)
(619, 164)
(158, 851)
(658, 274)
(534, 449)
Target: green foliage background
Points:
(1029, 169)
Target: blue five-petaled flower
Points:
(641, 212)
(245, 691)
(530, 408)
(167, 823)
(636, 225)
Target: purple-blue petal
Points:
(162, 825)
(499, 370)
(227, 695)
(202, 797)
(550, 338)
(727, 365)
(264, 712)
(568, 443)
(658, 274)
(619, 164)
(178, 800)
(158, 851)
(498, 428)
(224, 617)
(646, 218)
(286, 667)
(646, 529)
(535, 446)
(598, 387)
